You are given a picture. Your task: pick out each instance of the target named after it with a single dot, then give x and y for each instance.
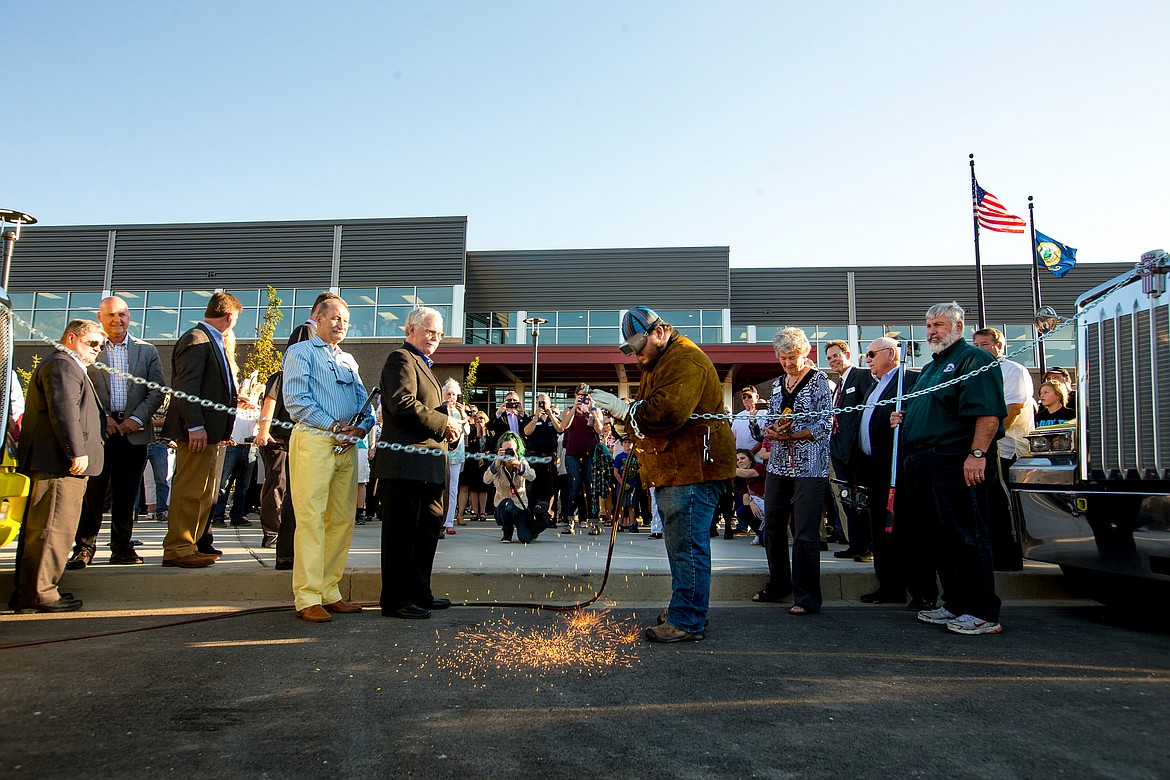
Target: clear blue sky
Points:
(796, 133)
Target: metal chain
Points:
(410, 449)
(926, 391)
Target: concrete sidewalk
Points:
(473, 565)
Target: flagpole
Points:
(978, 262)
(1037, 301)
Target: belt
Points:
(118, 416)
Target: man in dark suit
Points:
(415, 487)
(60, 448)
(852, 384)
(199, 366)
(129, 407)
(872, 459)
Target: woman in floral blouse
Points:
(798, 475)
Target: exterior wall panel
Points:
(789, 296)
(59, 258)
(185, 256)
(577, 279)
(403, 252)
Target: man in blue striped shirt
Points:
(323, 392)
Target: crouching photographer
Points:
(509, 476)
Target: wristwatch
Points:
(978, 453)
(335, 428)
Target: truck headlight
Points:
(1056, 438)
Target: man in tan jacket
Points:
(686, 461)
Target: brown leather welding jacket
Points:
(676, 450)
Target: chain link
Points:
(410, 449)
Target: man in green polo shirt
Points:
(946, 469)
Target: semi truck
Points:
(1094, 495)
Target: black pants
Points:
(545, 484)
(413, 512)
(856, 522)
(276, 506)
(802, 497)
(888, 563)
(122, 477)
(954, 526)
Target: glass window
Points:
(392, 320)
(610, 337)
(192, 298)
(433, 296)
(83, 314)
(694, 334)
(476, 335)
(167, 299)
(50, 322)
(160, 321)
(551, 316)
(395, 296)
(572, 336)
(287, 323)
(22, 300)
(135, 299)
(604, 319)
(246, 325)
(680, 318)
(713, 317)
(573, 319)
(189, 318)
(306, 297)
(249, 298)
(20, 332)
(360, 296)
(285, 295)
(301, 314)
(502, 319)
(52, 300)
(361, 321)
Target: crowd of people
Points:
(815, 460)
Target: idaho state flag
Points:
(1055, 256)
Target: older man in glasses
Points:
(60, 449)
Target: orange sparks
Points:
(586, 642)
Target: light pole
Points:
(535, 322)
(17, 218)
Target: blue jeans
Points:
(581, 499)
(687, 511)
(157, 455)
(239, 466)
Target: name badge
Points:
(849, 390)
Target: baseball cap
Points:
(748, 390)
(1057, 370)
(636, 323)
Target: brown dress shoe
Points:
(315, 614)
(192, 561)
(342, 605)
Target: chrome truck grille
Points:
(1124, 387)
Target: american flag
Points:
(993, 216)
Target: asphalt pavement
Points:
(1069, 689)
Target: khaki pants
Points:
(323, 486)
(194, 489)
(54, 506)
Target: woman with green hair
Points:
(509, 475)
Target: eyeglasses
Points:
(435, 334)
(871, 354)
(94, 344)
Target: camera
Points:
(509, 453)
(512, 404)
(543, 405)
